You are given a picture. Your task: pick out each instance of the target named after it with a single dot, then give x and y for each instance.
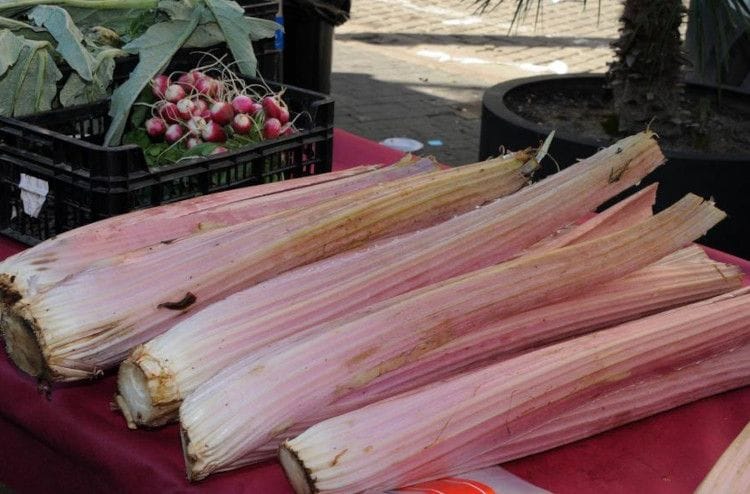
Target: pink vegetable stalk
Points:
(452, 426)
(158, 375)
(732, 472)
(77, 249)
(344, 356)
(91, 320)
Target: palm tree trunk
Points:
(645, 76)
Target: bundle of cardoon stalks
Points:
(78, 249)
(158, 375)
(91, 319)
(732, 472)
(230, 419)
(466, 422)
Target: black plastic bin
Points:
(89, 182)
(308, 41)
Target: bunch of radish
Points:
(192, 108)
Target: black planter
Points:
(725, 178)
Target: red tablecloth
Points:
(74, 443)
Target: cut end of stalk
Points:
(134, 399)
(22, 345)
(135, 402)
(295, 470)
(192, 474)
(9, 294)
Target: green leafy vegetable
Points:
(141, 108)
(155, 49)
(30, 84)
(27, 30)
(123, 21)
(77, 91)
(11, 49)
(202, 149)
(239, 30)
(69, 39)
(205, 35)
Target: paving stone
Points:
(418, 68)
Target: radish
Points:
(188, 79)
(219, 150)
(271, 107)
(159, 85)
(207, 86)
(288, 130)
(186, 108)
(242, 104)
(213, 132)
(255, 108)
(155, 127)
(196, 125)
(222, 113)
(242, 124)
(174, 133)
(192, 142)
(168, 111)
(283, 114)
(201, 108)
(174, 93)
(271, 128)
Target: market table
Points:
(74, 443)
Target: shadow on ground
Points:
(379, 109)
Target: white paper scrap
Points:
(33, 194)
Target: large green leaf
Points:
(26, 30)
(11, 49)
(30, 85)
(239, 31)
(69, 38)
(76, 91)
(155, 49)
(205, 35)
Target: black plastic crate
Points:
(264, 9)
(89, 182)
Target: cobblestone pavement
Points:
(418, 68)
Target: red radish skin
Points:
(200, 107)
(174, 133)
(222, 113)
(283, 115)
(187, 81)
(155, 127)
(242, 124)
(287, 130)
(174, 93)
(242, 104)
(186, 108)
(219, 150)
(272, 128)
(207, 86)
(255, 108)
(169, 112)
(271, 107)
(159, 86)
(213, 132)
